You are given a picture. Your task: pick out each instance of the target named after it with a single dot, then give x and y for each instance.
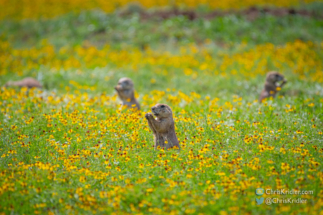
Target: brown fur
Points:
(126, 93)
(26, 82)
(271, 84)
(163, 126)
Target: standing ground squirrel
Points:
(126, 92)
(163, 126)
(271, 84)
(26, 82)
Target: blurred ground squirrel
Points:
(163, 126)
(126, 93)
(26, 82)
(271, 85)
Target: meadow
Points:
(70, 148)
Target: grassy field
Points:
(70, 149)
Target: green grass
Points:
(100, 28)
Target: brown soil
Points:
(251, 13)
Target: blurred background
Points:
(219, 47)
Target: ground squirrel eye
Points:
(162, 106)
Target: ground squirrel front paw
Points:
(147, 115)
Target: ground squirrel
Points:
(26, 82)
(271, 84)
(163, 126)
(126, 92)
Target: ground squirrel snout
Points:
(271, 85)
(163, 126)
(126, 92)
(26, 82)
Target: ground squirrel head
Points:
(125, 89)
(124, 84)
(274, 77)
(162, 111)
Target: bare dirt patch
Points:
(251, 13)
